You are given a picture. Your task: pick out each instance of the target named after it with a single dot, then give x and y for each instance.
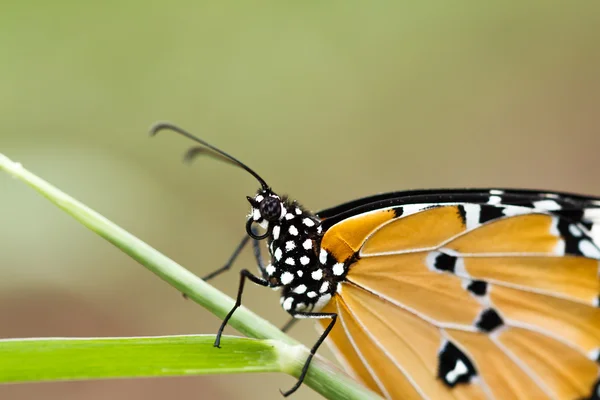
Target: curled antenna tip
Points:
(193, 153)
(159, 126)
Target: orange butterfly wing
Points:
(442, 303)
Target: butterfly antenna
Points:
(161, 126)
(198, 151)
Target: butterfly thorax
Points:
(294, 245)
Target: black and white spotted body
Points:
(293, 242)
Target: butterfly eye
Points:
(270, 209)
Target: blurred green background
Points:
(329, 101)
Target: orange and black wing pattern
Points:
(468, 295)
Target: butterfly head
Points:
(266, 209)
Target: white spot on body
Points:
(311, 294)
(290, 261)
(290, 245)
(283, 211)
(270, 269)
(300, 307)
(298, 211)
(286, 278)
(324, 287)
(308, 222)
(495, 200)
(289, 216)
(323, 256)
(317, 275)
(278, 254)
(259, 198)
(300, 273)
(300, 289)
(459, 369)
(548, 205)
(307, 244)
(319, 229)
(276, 230)
(588, 249)
(293, 231)
(287, 303)
(304, 260)
(338, 269)
(255, 214)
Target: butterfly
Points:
(438, 294)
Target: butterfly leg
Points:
(258, 257)
(231, 260)
(313, 350)
(244, 274)
(288, 325)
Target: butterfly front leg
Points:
(244, 274)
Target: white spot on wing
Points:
(290, 245)
(298, 211)
(311, 294)
(496, 192)
(324, 287)
(289, 216)
(588, 249)
(459, 369)
(472, 211)
(574, 230)
(317, 275)
(286, 278)
(548, 205)
(293, 231)
(338, 269)
(511, 211)
(276, 230)
(495, 200)
(299, 273)
(459, 268)
(560, 247)
(595, 233)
